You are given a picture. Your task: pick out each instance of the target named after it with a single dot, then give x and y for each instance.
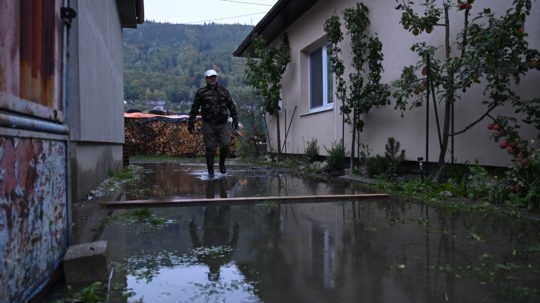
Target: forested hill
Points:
(166, 62)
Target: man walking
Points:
(215, 105)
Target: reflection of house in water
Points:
(262, 184)
(323, 254)
(345, 252)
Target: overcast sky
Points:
(206, 11)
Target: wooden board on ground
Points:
(237, 200)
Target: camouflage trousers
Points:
(216, 135)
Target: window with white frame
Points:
(321, 88)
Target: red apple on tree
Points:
(525, 162)
(463, 6)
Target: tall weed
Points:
(336, 157)
(312, 150)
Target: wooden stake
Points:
(236, 200)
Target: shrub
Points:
(522, 181)
(364, 153)
(479, 183)
(247, 148)
(312, 150)
(376, 166)
(93, 293)
(394, 157)
(336, 157)
(519, 187)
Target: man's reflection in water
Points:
(216, 233)
(211, 188)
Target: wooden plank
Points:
(237, 200)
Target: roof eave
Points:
(280, 16)
(131, 12)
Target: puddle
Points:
(341, 251)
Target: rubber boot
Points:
(222, 155)
(210, 164)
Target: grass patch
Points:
(140, 216)
(93, 293)
(116, 180)
(124, 174)
(312, 170)
(448, 196)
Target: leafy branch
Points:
(364, 90)
(494, 52)
(265, 67)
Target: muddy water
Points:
(341, 251)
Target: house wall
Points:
(34, 208)
(93, 162)
(44, 102)
(96, 97)
(307, 32)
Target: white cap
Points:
(210, 73)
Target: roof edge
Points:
(275, 11)
(131, 12)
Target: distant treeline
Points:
(166, 61)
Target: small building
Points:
(61, 125)
(310, 108)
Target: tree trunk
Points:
(278, 135)
(358, 152)
(353, 143)
(343, 130)
(449, 100)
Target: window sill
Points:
(318, 110)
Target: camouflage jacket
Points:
(214, 104)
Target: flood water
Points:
(340, 251)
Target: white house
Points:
(317, 116)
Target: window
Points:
(321, 80)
